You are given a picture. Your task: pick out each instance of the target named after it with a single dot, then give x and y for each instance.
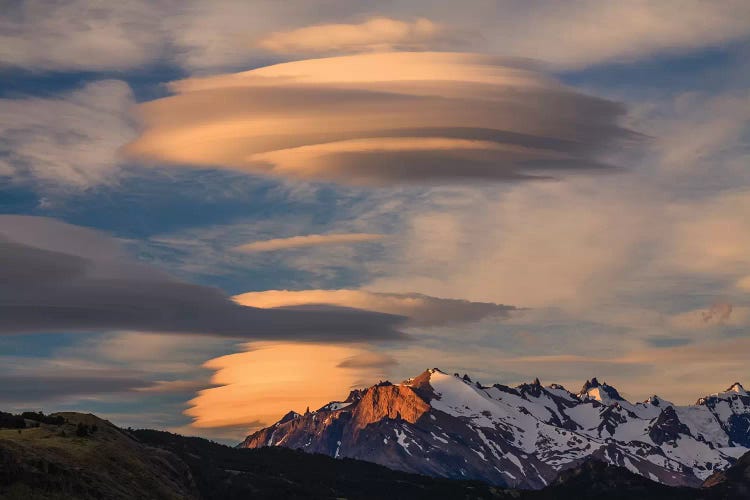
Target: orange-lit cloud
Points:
(382, 118)
(307, 241)
(422, 310)
(744, 283)
(376, 34)
(259, 386)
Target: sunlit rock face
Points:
(450, 426)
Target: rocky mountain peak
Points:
(732, 392)
(290, 416)
(655, 400)
(450, 426)
(600, 391)
(354, 395)
(737, 387)
(389, 401)
(668, 427)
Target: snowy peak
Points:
(452, 426)
(733, 392)
(654, 400)
(605, 394)
(737, 387)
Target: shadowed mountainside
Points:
(84, 457)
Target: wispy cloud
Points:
(307, 241)
(376, 34)
(79, 147)
(200, 35)
(45, 388)
(73, 35)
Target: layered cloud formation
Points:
(41, 386)
(383, 118)
(421, 310)
(258, 386)
(59, 277)
(639, 278)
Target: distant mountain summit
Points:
(601, 392)
(450, 426)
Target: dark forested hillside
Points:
(78, 456)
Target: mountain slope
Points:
(85, 457)
(277, 472)
(733, 482)
(228, 473)
(522, 437)
(594, 480)
(75, 456)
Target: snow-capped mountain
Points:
(445, 425)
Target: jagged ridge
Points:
(449, 426)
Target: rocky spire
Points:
(736, 387)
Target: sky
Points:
(212, 213)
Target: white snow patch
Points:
(401, 439)
(435, 436)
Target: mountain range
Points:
(449, 426)
(75, 456)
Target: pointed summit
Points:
(589, 384)
(600, 391)
(288, 417)
(654, 400)
(732, 391)
(398, 425)
(737, 387)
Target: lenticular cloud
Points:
(386, 118)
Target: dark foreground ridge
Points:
(78, 456)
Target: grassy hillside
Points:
(86, 457)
